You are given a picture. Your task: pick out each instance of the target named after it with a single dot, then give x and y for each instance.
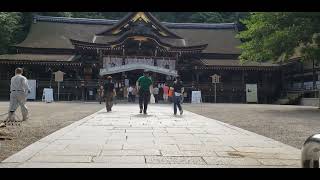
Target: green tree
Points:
(58, 14)
(277, 35)
(24, 23)
(94, 15)
(10, 24)
(207, 17)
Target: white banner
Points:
(252, 93)
(196, 97)
(111, 62)
(33, 89)
(47, 95)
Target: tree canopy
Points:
(278, 36)
(10, 24)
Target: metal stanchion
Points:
(311, 152)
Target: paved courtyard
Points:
(124, 138)
(45, 118)
(288, 124)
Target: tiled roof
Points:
(234, 62)
(112, 22)
(56, 32)
(37, 57)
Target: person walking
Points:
(19, 90)
(100, 94)
(130, 89)
(109, 93)
(156, 94)
(177, 95)
(134, 94)
(165, 92)
(144, 87)
(170, 94)
(160, 92)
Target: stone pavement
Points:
(125, 138)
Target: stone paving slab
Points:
(124, 138)
(61, 158)
(120, 159)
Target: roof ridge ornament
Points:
(145, 18)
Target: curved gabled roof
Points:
(120, 41)
(148, 17)
(55, 32)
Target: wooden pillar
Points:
(243, 86)
(197, 79)
(302, 76)
(314, 78)
(283, 86)
(192, 76)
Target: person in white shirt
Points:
(130, 98)
(156, 94)
(19, 90)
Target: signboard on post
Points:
(215, 80)
(58, 76)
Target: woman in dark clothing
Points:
(177, 95)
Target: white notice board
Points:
(47, 95)
(33, 87)
(252, 93)
(126, 82)
(196, 97)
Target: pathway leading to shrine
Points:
(125, 138)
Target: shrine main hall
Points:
(86, 50)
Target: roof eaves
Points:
(200, 25)
(113, 22)
(75, 20)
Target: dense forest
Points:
(265, 35)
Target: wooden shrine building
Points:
(88, 49)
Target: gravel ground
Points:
(291, 125)
(45, 118)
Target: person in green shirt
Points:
(144, 87)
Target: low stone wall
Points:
(309, 101)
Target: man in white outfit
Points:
(19, 91)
